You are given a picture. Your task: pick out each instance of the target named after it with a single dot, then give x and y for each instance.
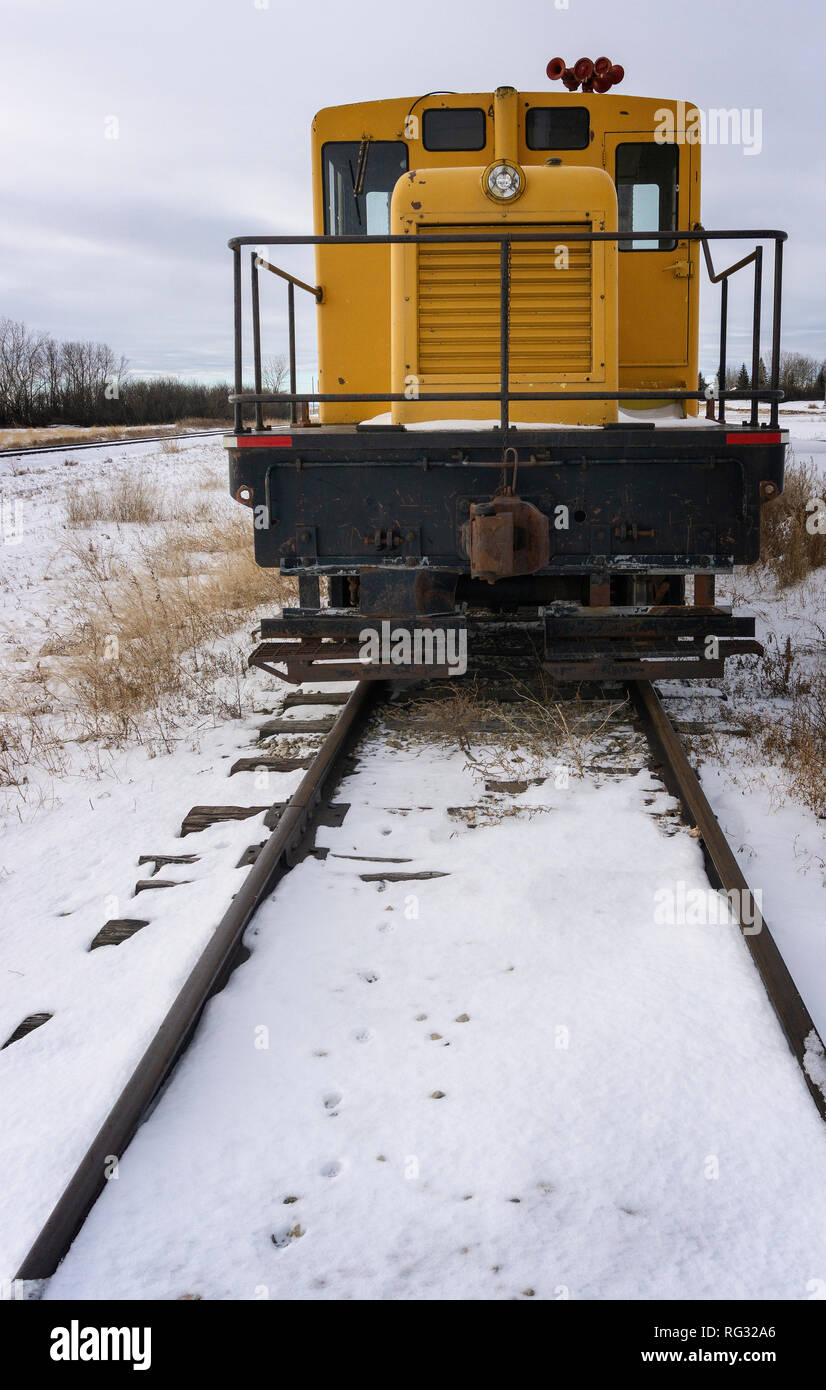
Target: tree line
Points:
(46, 382)
(802, 378)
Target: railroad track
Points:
(108, 443)
(629, 730)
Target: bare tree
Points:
(799, 375)
(275, 374)
(21, 372)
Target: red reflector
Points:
(263, 441)
(757, 437)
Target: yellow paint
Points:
(445, 300)
(635, 324)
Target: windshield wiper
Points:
(358, 181)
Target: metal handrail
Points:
(723, 276)
(239, 398)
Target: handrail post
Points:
(256, 339)
(504, 364)
(755, 334)
(778, 285)
(291, 319)
(721, 373)
(239, 364)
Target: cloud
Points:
(124, 239)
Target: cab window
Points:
(558, 128)
(647, 188)
(359, 178)
(454, 128)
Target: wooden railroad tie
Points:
(161, 860)
(27, 1026)
(271, 763)
(316, 697)
(297, 726)
(116, 931)
(403, 878)
(143, 884)
(202, 817)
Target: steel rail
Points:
(207, 975)
(108, 443)
(682, 781)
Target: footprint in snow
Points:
(285, 1236)
(364, 1035)
(369, 977)
(331, 1101)
(331, 1170)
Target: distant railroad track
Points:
(642, 729)
(109, 443)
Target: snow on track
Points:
(607, 1109)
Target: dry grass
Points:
(789, 728)
(147, 646)
(795, 738)
(522, 740)
(150, 640)
(185, 545)
(787, 549)
(128, 497)
(786, 724)
(25, 741)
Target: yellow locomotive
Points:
(507, 288)
(581, 314)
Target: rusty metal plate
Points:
(506, 537)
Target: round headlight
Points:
(504, 181)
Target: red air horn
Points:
(595, 76)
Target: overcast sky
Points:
(124, 240)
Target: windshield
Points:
(359, 177)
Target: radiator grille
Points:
(550, 308)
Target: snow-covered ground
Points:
(580, 1160)
(507, 1082)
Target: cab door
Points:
(658, 283)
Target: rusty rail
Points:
(208, 975)
(793, 1016)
